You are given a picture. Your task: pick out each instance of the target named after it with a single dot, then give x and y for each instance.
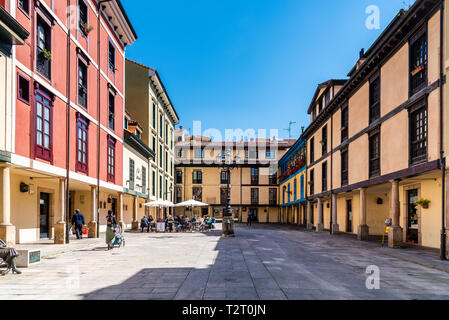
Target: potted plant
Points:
(86, 28)
(310, 183)
(46, 54)
(424, 203)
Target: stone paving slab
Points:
(269, 262)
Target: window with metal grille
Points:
(374, 154)
(418, 62)
(324, 140)
(418, 135)
(82, 84)
(344, 167)
(82, 143)
(374, 99)
(225, 177)
(131, 174)
(254, 196)
(273, 196)
(312, 150)
(324, 177)
(43, 50)
(111, 107)
(254, 176)
(197, 177)
(344, 123)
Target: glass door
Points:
(412, 217)
(44, 215)
(349, 228)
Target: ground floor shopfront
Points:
(364, 211)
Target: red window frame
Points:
(82, 144)
(40, 149)
(111, 159)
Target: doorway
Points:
(114, 206)
(205, 212)
(44, 211)
(349, 228)
(412, 217)
(253, 213)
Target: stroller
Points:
(118, 240)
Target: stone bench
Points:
(29, 257)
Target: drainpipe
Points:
(442, 157)
(67, 185)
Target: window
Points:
(314, 113)
(111, 57)
(197, 177)
(160, 187)
(23, 89)
(44, 126)
(418, 135)
(344, 167)
(418, 62)
(161, 156)
(302, 187)
(254, 176)
(273, 196)
(131, 174)
(199, 154)
(224, 196)
(154, 116)
(374, 153)
(324, 141)
(144, 180)
(312, 150)
(82, 145)
(166, 191)
(374, 99)
(252, 154)
(324, 177)
(82, 84)
(178, 195)
(288, 193)
(197, 194)
(160, 126)
(154, 144)
(166, 133)
(320, 106)
(283, 194)
(153, 183)
(166, 161)
(273, 181)
(43, 50)
(111, 159)
(83, 17)
(269, 154)
(225, 177)
(125, 123)
(24, 5)
(312, 181)
(327, 98)
(111, 111)
(178, 176)
(254, 196)
(344, 123)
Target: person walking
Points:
(249, 219)
(78, 221)
(111, 223)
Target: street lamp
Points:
(228, 165)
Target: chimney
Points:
(362, 59)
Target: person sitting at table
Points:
(144, 223)
(169, 223)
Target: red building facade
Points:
(69, 111)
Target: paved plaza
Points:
(264, 262)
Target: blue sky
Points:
(251, 63)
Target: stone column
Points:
(335, 226)
(120, 221)
(135, 224)
(60, 226)
(93, 213)
(363, 230)
(7, 230)
(395, 234)
(309, 216)
(320, 224)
